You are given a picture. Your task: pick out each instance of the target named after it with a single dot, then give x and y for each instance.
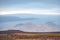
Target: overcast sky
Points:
(42, 7)
(50, 7)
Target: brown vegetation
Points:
(28, 36)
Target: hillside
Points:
(19, 31)
(21, 35)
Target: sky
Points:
(49, 10)
(48, 7)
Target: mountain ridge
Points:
(19, 31)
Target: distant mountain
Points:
(18, 31)
(10, 31)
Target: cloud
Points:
(31, 11)
(30, 7)
(29, 27)
(10, 18)
(38, 27)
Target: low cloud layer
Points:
(33, 11)
(29, 27)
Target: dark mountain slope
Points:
(10, 31)
(18, 31)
